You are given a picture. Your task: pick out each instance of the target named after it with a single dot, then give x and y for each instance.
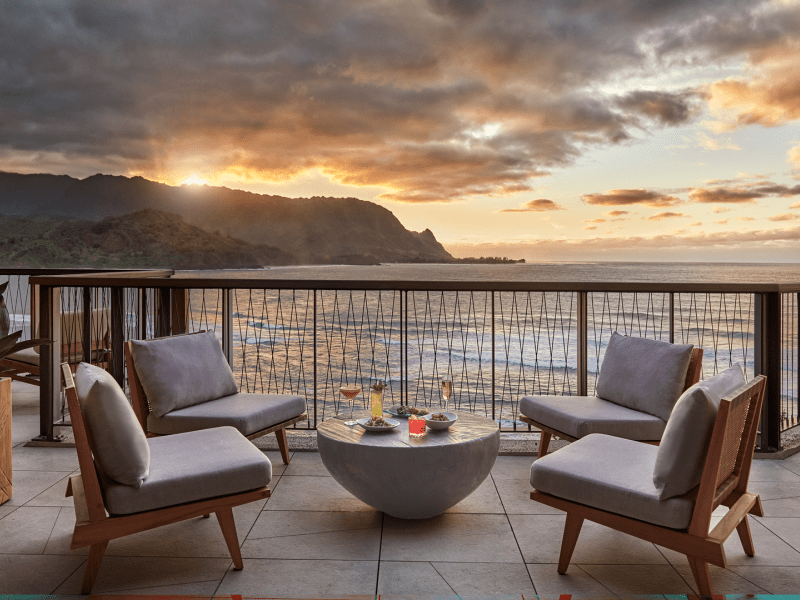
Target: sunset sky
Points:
(561, 130)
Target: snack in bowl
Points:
(441, 420)
(378, 422)
(411, 410)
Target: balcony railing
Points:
(496, 341)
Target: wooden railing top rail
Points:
(158, 279)
(34, 272)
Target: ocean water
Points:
(566, 271)
(529, 346)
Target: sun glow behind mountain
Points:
(195, 180)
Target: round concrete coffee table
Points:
(410, 478)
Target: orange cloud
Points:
(742, 194)
(595, 221)
(538, 205)
(721, 222)
(630, 197)
(616, 213)
(785, 217)
(665, 215)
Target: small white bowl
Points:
(453, 417)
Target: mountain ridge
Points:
(312, 230)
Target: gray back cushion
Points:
(645, 375)
(684, 445)
(115, 436)
(182, 371)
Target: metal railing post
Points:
(405, 348)
(180, 311)
(50, 357)
(227, 325)
(672, 317)
(117, 366)
(493, 359)
(162, 310)
(402, 387)
(583, 343)
(767, 361)
(141, 314)
(314, 339)
(86, 335)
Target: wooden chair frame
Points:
(724, 482)
(95, 528)
(142, 408)
(692, 377)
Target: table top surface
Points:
(469, 427)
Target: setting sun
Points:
(194, 180)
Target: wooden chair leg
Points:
(206, 516)
(702, 576)
(572, 530)
(743, 529)
(228, 526)
(96, 552)
(544, 442)
(283, 445)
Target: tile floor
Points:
(312, 539)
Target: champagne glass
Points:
(447, 390)
(350, 392)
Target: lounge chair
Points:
(666, 495)
(24, 365)
(144, 484)
(639, 382)
(183, 383)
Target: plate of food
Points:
(440, 420)
(378, 424)
(403, 411)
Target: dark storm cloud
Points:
(667, 108)
(434, 99)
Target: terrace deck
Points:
(312, 539)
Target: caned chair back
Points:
(695, 366)
(730, 453)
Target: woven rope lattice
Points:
(732, 440)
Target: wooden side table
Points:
(5, 439)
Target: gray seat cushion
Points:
(246, 412)
(114, 434)
(612, 474)
(578, 416)
(29, 356)
(189, 467)
(182, 371)
(682, 454)
(642, 374)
